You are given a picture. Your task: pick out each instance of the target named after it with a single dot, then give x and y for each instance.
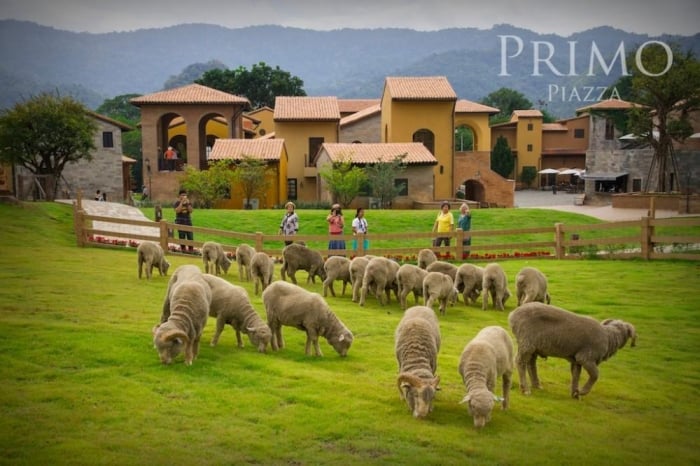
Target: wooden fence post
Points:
(259, 246)
(460, 244)
(163, 236)
(559, 250)
(79, 225)
(645, 240)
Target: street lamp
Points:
(461, 139)
(148, 171)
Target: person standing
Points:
(290, 223)
(359, 227)
(170, 156)
(444, 223)
(98, 195)
(335, 227)
(464, 222)
(183, 216)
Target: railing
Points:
(647, 238)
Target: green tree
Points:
(251, 175)
(260, 85)
(502, 161)
(44, 134)
(344, 181)
(669, 96)
(381, 176)
(464, 139)
(506, 100)
(193, 72)
(207, 186)
(528, 175)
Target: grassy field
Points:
(82, 383)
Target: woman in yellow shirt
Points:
(444, 223)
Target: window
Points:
(292, 189)
(107, 139)
(529, 147)
(427, 138)
(609, 129)
(314, 147)
(636, 185)
(401, 184)
(578, 133)
(529, 126)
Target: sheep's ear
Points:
(606, 321)
(466, 399)
(176, 336)
(436, 383)
(155, 329)
(250, 329)
(342, 337)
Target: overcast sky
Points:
(563, 17)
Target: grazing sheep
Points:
(531, 286)
(357, 271)
(182, 273)
(417, 344)
(409, 279)
(426, 257)
(543, 330)
(439, 287)
(244, 254)
(214, 252)
(231, 305)
(469, 280)
(151, 255)
(189, 301)
(443, 267)
(295, 257)
(488, 356)
(380, 276)
(262, 268)
(337, 268)
(495, 283)
(291, 305)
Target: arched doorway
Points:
(474, 191)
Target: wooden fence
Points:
(647, 238)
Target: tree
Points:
(528, 175)
(344, 181)
(251, 175)
(45, 133)
(502, 161)
(207, 186)
(506, 100)
(669, 96)
(464, 139)
(193, 72)
(260, 85)
(381, 176)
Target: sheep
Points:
(214, 252)
(543, 330)
(182, 273)
(298, 257)
(337, 268)
(291, 305)
(416, 345)
(488, 356)
(444, 267)
(151, 255)
(189, 301)
(380, 276)
(357, 271)
(426, 257)
(262, 268)
(495, 283)
(231, 305)
(244, 254)
(469, 280)
(531, 286)
(438, 286)
(409, 279)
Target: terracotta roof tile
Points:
(420, 88)
(609, 104)
(416, 152)
(467, 106)
(306, 109)
(355, 105)
(554, 127)
(361, 115)
(190, 94)
(237, 149)
(532, 113)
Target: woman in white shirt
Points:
(359, 226)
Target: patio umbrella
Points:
(570, 171)
(548, 171)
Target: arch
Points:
(427, 137)
(474, 190)
(464, 138)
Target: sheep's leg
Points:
(592, 370)
(189, 353)
(429, 301)
(363, 295)
(345, 284)
(575, 376)
(403, 295)
(239, 338)
(484, 299)
(332, 290)
(507, 376)
(355, 292)
(498, 301)
(521, 360)
(443, 305)
(219, 328)
(240, 272)
(532, 370)
(293, 276)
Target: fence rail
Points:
(647, 238)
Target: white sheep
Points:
(337, 268)
(443, 267)
(214, 252)
(439, 287)
(150, 254)
(416, 345)
(426, 257)
(231, 305)
(262, 268)
(295, 257)
(469, 280)
(409, 279)
(291, 305)
(189, 301)
(182, 273)
(543, 330)
(358, 265)
(380, 277)
(488, 356)
(244, 254)
(494, 283)
(531, 286)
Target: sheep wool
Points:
(295, 257)
(495, 284)
(531, 286)
(262, 268)
(439, 287)
(426, 257)
(149, 255)
(469, 280)
(337, 268)
(244, 254)
(380, 278)
(214, 253)
(409, 279)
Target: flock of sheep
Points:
(540, 329)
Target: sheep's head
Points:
(418, 393)
(260, 337)
(165, 265)
(169, 343)
(479, 405)
(341, 343)
(625, 329)
(225, 264)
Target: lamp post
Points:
(461, 139)
(148, 172)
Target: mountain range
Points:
(554, 72)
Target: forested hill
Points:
(348, 63)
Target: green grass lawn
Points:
(82, 383)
